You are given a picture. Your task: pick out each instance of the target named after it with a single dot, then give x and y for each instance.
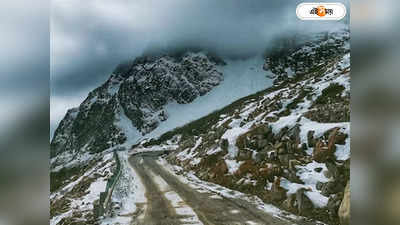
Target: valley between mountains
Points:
(194, 138)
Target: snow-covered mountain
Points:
(134, 98)
(151, 95)
(276, 126)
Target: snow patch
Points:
(186, 154)
(214, 151)
(125, 124)
(233, 165)
(231, 135)
(310, 178)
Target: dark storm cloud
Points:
(89, 38)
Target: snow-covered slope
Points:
(77, 189)
(288, 144)
(241, 78)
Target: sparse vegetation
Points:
(331, 93)
(293, 104)
(59, 178)
(59, 206)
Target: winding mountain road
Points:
(171, 202)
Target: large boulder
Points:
(244, 155)
(219, 170)
(344, 209)
(293, 163)
(262, 143)
(247, 167)
(304, 204)
(310, 138)
(261, 156)
(340, 138)
(266, 173)
(332, 140)
(281, 133)
(224, 144)
(294, 134)
(321, 152)
(333, 169)
(324, 150)
(278, 194)
(331, 187)
(292, 177)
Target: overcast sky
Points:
(89, 38)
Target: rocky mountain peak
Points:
(138, 91)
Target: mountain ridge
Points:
(139, 91)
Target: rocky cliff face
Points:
(131, 102)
